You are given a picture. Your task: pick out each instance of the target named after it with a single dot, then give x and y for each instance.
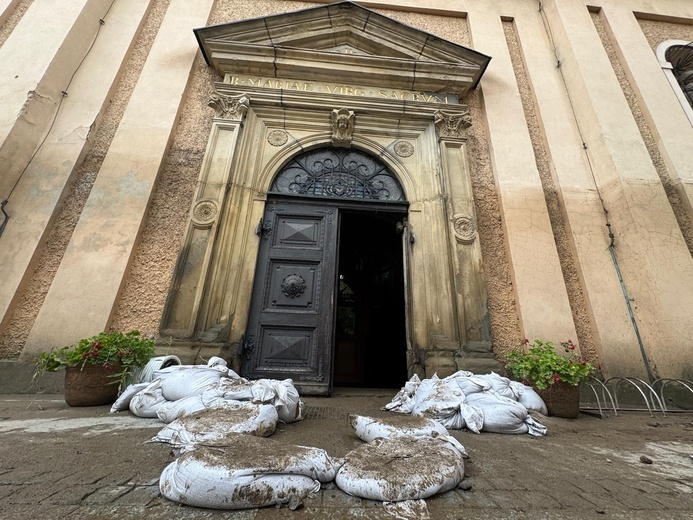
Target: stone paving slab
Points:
(59, 462)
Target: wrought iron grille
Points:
(338, 173)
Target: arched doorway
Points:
(328, 299)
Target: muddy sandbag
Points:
(444, 401)
(401, 468)
(247, 472)
(468, 382)
(403, 402)
(146, 402)
(172, 410)
(503, 415)
(215, 424)
(501, 385)
(407, 510)
(123, 401)
(371, 428)
(228, 388)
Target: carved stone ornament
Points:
(404, 149)
(452, 125)
(293, 285)
(204, 212)
(465, 228)
(342, 127)
(277, 138)
(229, 107)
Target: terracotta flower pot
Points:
(562, 399)
(93, 385)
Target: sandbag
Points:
(401, 468)
(501, 385)
(531, 400)
(468, 382)
(172, 410)
(182, 381)
(146, 402)
(444, 401)
(503, 415)
(369, 428)
(246, 472)
(282, 394)
(403, 401)
(123, 401)
(227, 388)
(215, 424)
(145, 374)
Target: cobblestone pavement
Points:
(61, 462)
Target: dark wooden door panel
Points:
(290, 324)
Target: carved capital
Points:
(342, 127)
(452, 125)
(229, 107)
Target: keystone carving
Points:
(229, 107)
(342, 127)
(452, 125)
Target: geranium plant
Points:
(539, 364)
(124, 351)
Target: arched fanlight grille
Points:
(681, 59)
(338, 173)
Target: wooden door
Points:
(290, 325)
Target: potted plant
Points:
(97, 368)
(554, 376)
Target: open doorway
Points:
(370, 329)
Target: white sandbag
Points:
(282, 394)
(172, 410)
(246, 472)
(503, 415)
(183, 381)
(501, 385)
(530, 399)
(402, 468)
(146, 402)
(472, 416)
(468, 382)
(215, 424)
(216, 361)
(196, 484)
(370, 428)
(403, 401)
(439, 400)
(123, 401)
(145, 374)
(231, 389)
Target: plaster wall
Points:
(537, 193)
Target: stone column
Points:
(476, 354)
(188, 284)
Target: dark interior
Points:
(370, 341)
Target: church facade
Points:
(350, 193)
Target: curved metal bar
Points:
(665, 381)
(605, 389)
(653, 394)
(596, 396)
(622, 380)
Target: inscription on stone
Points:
(341, 89)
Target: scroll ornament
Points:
(452, 125)
(229, 107)
(342, 127)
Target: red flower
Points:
(556, 379)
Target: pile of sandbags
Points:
(179, 390)
(246, 472)
(477, 402)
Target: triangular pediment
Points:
(342, 41)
